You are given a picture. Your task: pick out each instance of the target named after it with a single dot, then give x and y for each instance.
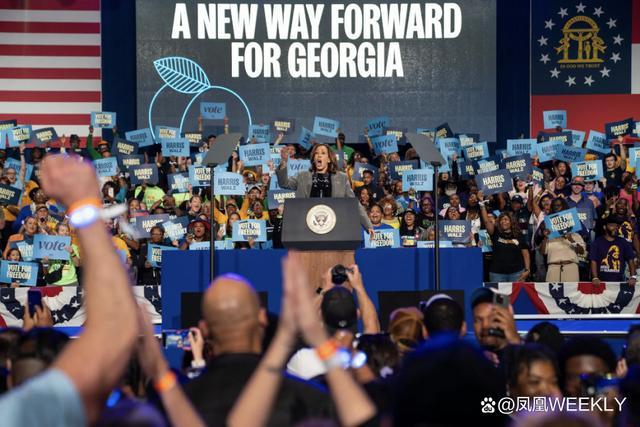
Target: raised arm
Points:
(110, 329)
(284, 180)
(490, 226)
(370, 320)
(23, 166)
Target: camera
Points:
(339, 274)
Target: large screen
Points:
(419, 64)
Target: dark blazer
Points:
(340, 187)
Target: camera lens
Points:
(338, 274)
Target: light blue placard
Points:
(166, 132)
(295, 166)
(12, 163)
(176, 228)
(52, 247)
(275, 156)
(547, 150)
(430, 244)
(103, 119)
(578, 137)
(262, 133)
(485, 241)
(25, 273)
(388, 238)
(254, 154)
(199, 176)
(554, 118)
(634, 154)
(449, 146)
(466, 141)
(175, 147)
(495, 182)
(199, 246)
(598, 142)
(26, 250)
(249, 229)
(377, 126)
(568, 153)
(636, 130)
(517, 147)
(223, 245)
(326, 127)
(19, 134)
(637, 168)
(178, 182)
(154, 254)
(142, 137)
(590, 171)
(477, 151)
(304, 140)
(418, 179)
(213, 110)
(563, 222)
(385, 144)
(228, 184)
(106, 167)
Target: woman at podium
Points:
(323, 180)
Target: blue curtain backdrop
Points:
(513, 21)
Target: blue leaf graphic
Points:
(182, 74)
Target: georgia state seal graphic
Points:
(321, 219)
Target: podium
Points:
(324, 231)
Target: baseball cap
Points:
(481, 295)
(517, 199)
(577, 181)
(339, 310)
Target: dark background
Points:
(511, 98)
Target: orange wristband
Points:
(89, 201)
(165, 382)
(326, 350)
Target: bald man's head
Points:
(232, 315)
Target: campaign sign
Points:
(213, 110)
(547, 150)
(562, 223)
(175, 229)
(358, 168)
(178, 182)
(444, 131)
(518, 166)
(598, 142)
(134, 160)
(228, 184)
(200, 176)
(275, 156)
(517, 147)
(466, 141)
(26, 249)
(144, 173)
(586, 217)
(397, 133)
(590, 171)
(476, 151)
(52, 247)
(634, 155)
(103, 119)
(418, 179)
(326, 127)
(199, 246)
(145, 223)
(396, 169)
(636, 131)
(377, 126)
(284, 126)
(254, 154)
(466, 170)
(261, 133)
(304, 140)
(194, 138)
(448, 147)
(455, 231)
(11, 163)
(385, 144)
(485, 166)
(569, 153)
(142, 137)
(154, 254)
(388, 238)
(254, 229)
(121, 147)
(342, 164)
(276, 198)
(25, 273)
(19, 134)
(175, 147)
(9, 195)
(428, 132)
(166, 132)
(8, 124)
(564, 137)
(537, 175)
(495, 182)
(485, 241)
(553, 119)
(430, 244)
(621, 128)
(106, 167)
(295, 166)
(221, 245)
(578, 137)
(45, 135)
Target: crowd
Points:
(174, 210)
